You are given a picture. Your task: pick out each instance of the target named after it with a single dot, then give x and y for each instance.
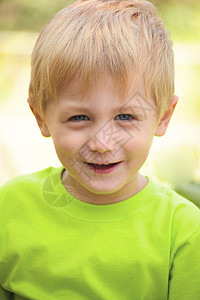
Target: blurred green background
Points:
(174, 159)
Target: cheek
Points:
(139, 145)
(67, 142)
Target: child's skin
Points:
(94, 66)
(77, 124)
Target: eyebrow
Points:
(71, 107)
(77, 108)
(126, 107)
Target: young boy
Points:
(102, 85)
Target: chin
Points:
(103, 188)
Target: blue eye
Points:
(124, 117)
(79, 118)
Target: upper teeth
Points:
(105, 164)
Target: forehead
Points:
(76, 90)
(103, 95)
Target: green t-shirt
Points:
(54, 246)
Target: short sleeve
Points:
(5, 295)
(184, 281)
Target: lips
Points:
(102, 168)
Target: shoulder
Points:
(183, 215)
(32, 177)
(27, 185)
(167, 196)
(179, 204)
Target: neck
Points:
(85, 195)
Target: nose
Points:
(102, 141)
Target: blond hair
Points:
(88, 39)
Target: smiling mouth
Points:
(103, 167)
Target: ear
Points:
(40, 120)
(164, 122)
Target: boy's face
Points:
(101, 140)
